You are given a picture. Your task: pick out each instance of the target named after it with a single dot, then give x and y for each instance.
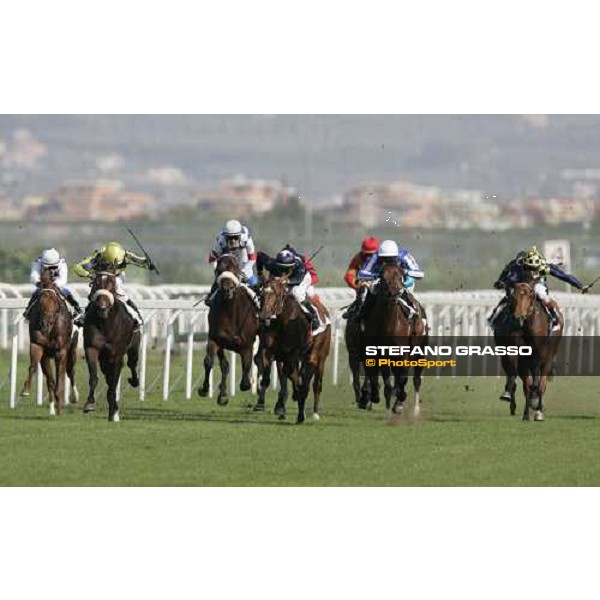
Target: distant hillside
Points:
(323, 155)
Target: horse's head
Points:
(272, 297)
(104, 289)
(522, 301)
(49, 303)
(390, 279)
(228, 275)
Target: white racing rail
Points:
(172, 324)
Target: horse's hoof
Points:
(202, 392)
(538, 416)
(301, 418)
(134, 382)
(398, 408)
(316, 417)
(89, 407)
(505, 397)
(245, 386)
(281, 417)
(52, 409)
(513, 411)
(259, 407)
(24, 394)
(416, 410)
(223, 400)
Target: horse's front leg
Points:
(417, 381)
(388, 389)
(133, 357)
(223, 398)
(263, 361)
(35, 356)
(209, 359)
(527, 381)
(401, 394)
(245, 383)
(308, 372)
(50, 383)
(283, 374)
(91, 357)
(61, 375)
(113, 373)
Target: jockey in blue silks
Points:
(389, 251)
(532, 266)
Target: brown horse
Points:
(528, 324)
(386, 321)
(232, 325)
(109, 333)
(51, 338)
(285, 338)
(353, 337)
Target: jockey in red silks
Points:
(368, 248)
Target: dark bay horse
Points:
(109, 333)
(387, 322)
(51, 338)
(285, 338)
(528, 324)
(232, 325)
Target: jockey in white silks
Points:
(50, 260)
(236, 240)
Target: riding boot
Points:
(32, 301)
(76, 306)
(211, 294)
(352, 309)
(79, 320)
(496, 313)
(552, 308)
(313, 316)
(131, 303)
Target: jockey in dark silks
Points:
(289, 262)
(531, 266)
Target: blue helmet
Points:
(285, 259)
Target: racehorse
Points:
(232, 325)
(387, 321)
(109, 333)
(51, 337)
(354, 345)
(284, 336)
(528, 324)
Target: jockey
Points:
(535, 264)
(389, 252)
(290, 263)
(235, 239)
(531, 265)
(115, 257)
(51, 260)
(368, 247)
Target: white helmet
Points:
(233, 227)
(388, 249)
(50, 257)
